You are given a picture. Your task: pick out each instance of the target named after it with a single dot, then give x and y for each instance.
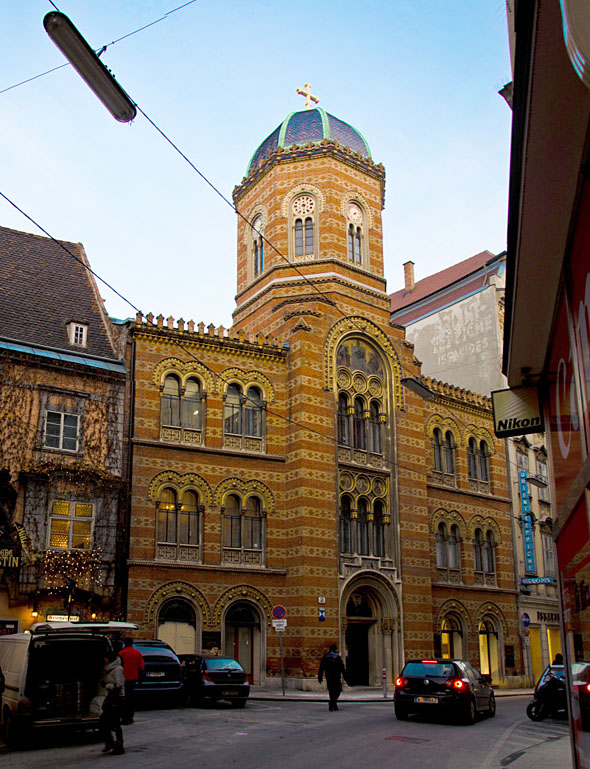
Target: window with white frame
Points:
(78, 333)
(61, 431)
(70, 525)
(548, 554)
(542, 475)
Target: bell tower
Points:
(312, 198)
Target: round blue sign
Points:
(526, 620)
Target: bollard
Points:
(384, 677)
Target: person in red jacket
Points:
(133, 666)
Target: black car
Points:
(163, 673)
(207, 676)
(444, 686)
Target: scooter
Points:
(549, 700)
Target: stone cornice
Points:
(209, 450)
(297, 153)
(468, 493)
(261, 570)
(317, 297)
(458, 394)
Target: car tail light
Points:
(25, 706)
(401, 682)
(455, 683)
(587, 687)
(207, 677)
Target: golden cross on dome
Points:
(309, 97)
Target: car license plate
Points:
(156, 674)
(426, 699)
(229, 693)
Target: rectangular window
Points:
(542, 475)
(232, 419)
(232, 525)
(548, 555)
(522, 460)
(78, 334)
(70, 525)
(61, 431)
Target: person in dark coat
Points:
(332, 667)
(111, 691)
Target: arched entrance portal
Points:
(371, 630)
(242, 637)
(359, 620)
(177, 625)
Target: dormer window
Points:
(78, 333)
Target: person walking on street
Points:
(133, 666)
(111, 690)
(333, 668)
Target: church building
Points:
(282, 463)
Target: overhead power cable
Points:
(101, 48)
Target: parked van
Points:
(51, 675)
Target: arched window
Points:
(358, 420)
(472, 459)
(191, 404)
(441, 546)
(258, 245)
(489, 657)
(167, 516)
(232, 522)
(346, 543)
(362, 528)
(303, 212)
(453, 548)
(244, 531)
(484, 473)
(170, 402)
(343, 421)
(449, 453)
(378, 529)
(451, 637)
(188, 529)
(253, 412)
(355, 232)
(178, 526)
(437, 450)
(253, 524)
(478, 550)
(232, 410)
(243, 418)
(375, 442)
(488, 549)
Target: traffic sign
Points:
(279, 624)
(526, 620)
(279, 612)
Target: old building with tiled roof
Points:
(62, 388)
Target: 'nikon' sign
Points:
(517, 412)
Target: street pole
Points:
(282, 661)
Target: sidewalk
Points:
(351, 694)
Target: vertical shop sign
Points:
(527, 524)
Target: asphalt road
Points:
(305, 735)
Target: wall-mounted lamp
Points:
(535, 480)
(416, 386)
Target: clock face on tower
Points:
(355, 213)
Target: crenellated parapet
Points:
(460, 394)
(180, 331)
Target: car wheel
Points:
(238, 703)
(401, 713)
(469, 714)
(491, 711)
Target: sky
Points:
(419, 80)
